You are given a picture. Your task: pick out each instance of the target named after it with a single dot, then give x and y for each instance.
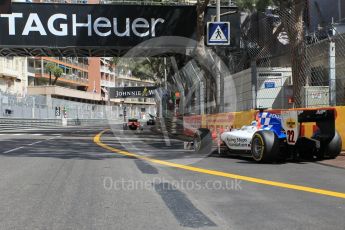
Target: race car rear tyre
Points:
(333, 148)
(265, 146)
(202, 141)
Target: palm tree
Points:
(113, 62)
(57, 71)
(50, 67)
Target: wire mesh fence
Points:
(279, 56)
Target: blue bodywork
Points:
(272, 122)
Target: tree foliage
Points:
(252, 5)
(261, 5)
(153, 68)
(57, 72)
(113, 62)
(50, 67)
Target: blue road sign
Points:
(218, 33)
(270, 85)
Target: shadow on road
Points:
(247, 159)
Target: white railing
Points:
(11, 72)
(107, 83)
(105, 69)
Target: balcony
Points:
(75, 78)
(66, 78)
(31, 71)
(63, 92)
(105, 69)
(132, 78)
(106, 83)
(5, 71)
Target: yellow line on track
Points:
(97, 140)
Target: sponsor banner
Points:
(77, 25)
(134, 92)
(219, 122)
(191, 124)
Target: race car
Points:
(151, 120)
(278, 135)
(132, 124)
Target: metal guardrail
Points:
(19, 123)
(174, 125)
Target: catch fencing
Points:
(273, 63)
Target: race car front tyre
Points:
(202, 141)
(265, 146)
(333, 148)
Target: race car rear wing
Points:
(325, 121)
(292, 121)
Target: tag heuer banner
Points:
(78, 25)
(135, 92)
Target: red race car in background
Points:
(132, 124)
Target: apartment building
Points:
(107, 71)
(14, 75)
(83, 79)
(135, 107)
(78, 82)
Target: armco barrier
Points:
(19, 123)
(90, 122)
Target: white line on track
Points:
(145, 139)
(13, 149)
(37, 142)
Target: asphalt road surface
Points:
(68, 179)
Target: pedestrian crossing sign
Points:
(218, 33)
